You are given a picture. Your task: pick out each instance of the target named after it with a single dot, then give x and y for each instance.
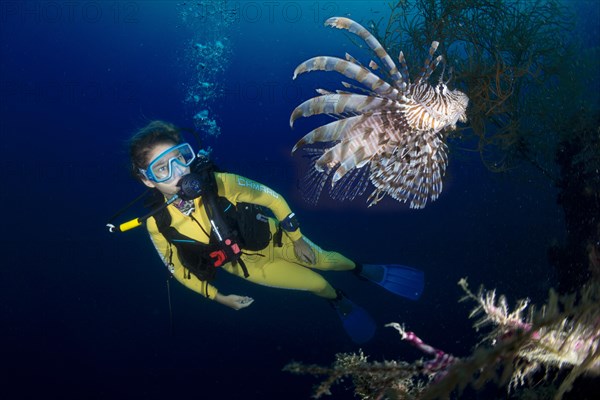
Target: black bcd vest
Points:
(247, 223)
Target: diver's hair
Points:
(144, 140)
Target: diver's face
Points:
(169, 187)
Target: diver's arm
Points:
(169, 256)
(234, 301)
(240, 189)
(304, 252)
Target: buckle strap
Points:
(277, 237)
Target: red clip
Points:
(220, 257)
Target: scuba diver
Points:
(204, 220)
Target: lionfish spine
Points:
(371, 41)
(350, 70)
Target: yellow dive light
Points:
(191, 188)
(134, 223)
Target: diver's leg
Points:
(271, 269)
(283, 274)
(399, 279)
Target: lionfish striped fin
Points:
(353, 184)
(313, 182)
(324, 91)
(414, 173)
(330, 132)
(350, 70)
(348, 85)
(441, 78)
(371, 41)
(358, 143)
(343, 152)
(427, 68)
(339, 104)
(356, 156)
(352, 59)
(434, 66)
(403, 69)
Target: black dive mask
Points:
(190, 186)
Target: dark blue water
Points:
(85, 313)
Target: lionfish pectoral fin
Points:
(297, 113)
(351, 185)
(340, 105)
(350, 161)
(363, 163)
(331, 132)
(375, 197)
(312, 184)
(326, 161)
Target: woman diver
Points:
(223, 224)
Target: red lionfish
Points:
(393, 135)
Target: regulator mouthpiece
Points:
(191, 186)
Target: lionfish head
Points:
(457, 101)
(457, 108)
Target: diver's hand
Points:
(234, 301)
(304, 252)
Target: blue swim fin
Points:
(401, 280)
(357, 323)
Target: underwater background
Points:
(85, 313)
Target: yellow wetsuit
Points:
(273, 266)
